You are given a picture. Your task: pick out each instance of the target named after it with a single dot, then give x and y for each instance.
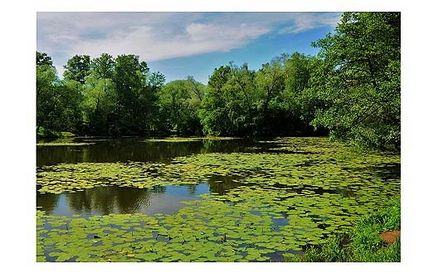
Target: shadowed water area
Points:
(181, 199)
(112, 199)
(133, 149)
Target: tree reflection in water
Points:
(48, 201)
(106, 200)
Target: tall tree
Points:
(100, 99)
(57, 102)
(270, 82)
(281, 85)
(301, 99)
(48, 109)
(229, 102)
(99, 105)
(359, 79)
(77, 68)
(179, 103)
(103, 67)
(71, 99)
(136, 91)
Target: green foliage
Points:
(229, 102)
(72, 98)
(57, 102)
(47, 108)
(361, 244)
(100, 96)
(358, 80)
(43, 59)
(103, 67)
(272, 101)
(99, 105)
(77, 68)
(179, 102)
(272, 105)
(301, 101)
(282, 84)
(135, 91)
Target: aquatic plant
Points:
(362, 243)
(290, 198)
(320, 166)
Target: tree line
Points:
(349, 90)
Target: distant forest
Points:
(350, 91)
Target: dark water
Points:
(112, 199)
(133, 149)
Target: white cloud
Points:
(308, 21)
(195, 38)
(159, 36)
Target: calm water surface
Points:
(113, 199)
(133, 149)
(162, 199)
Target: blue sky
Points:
(182, 44)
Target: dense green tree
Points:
(156, 80)
(48, 109)
(299, 94)
(179, 103)
(102, 67)
(77, 68)
(229, 104)
(99, 104)
(100, 99)
(135, 88)
(266, 103)
(359, 79)
(298, 70)
(270, 83)
(43, 59)
(57, 102)
(154, 85)
(212, 113)
(71, 99)
(196, 87)
(120, 96)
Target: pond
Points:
(202, 199)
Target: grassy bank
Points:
(365, 243)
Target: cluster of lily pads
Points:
(327, 171)
(207, 231)
(289, 198)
